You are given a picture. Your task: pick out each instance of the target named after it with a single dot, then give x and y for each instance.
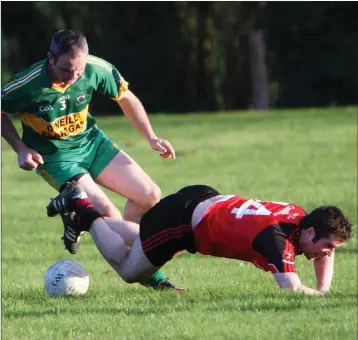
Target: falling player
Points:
(199, 219)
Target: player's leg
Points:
(124, 176)
(128, 231)
(136, 267)
(56, 173)
(109, 243)
(131, 265)
(74, 198)
(97, 196)
(164, 230)
(61, 168)
(100, 151)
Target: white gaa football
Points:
(66, 277)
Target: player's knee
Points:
(152, 196)
(128, 277)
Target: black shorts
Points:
(166, 228)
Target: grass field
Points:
(308, 157)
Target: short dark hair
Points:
(65, 41)
(327, 221)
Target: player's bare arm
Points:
(135, 112)
(324, 272)
(291, 281)
(9, 132)
(28, 159)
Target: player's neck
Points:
(58, 84)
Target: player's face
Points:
(322, 247)
(68, 68)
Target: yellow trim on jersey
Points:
(97, 61)
(22, 84)
(18, 79)
(122, 88)
(59, 88)
(100, 64)
(60, 128)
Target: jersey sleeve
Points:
(279, 252)
(111, 83)
(13, 101)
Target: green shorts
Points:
(90, 159)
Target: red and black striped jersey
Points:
(263, 233)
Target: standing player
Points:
(199, 219)
(61, 140)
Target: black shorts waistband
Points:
(195, 194)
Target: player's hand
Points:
(163, 146)
(29, 159)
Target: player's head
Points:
(67, 55)
(323, 230)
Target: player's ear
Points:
(50, 58)
(309, 234)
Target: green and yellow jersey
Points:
(54, 119)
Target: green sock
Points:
(154, 280)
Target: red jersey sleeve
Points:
(273, 244)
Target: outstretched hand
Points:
(163, 146)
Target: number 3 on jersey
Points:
(63, 105)
(257, 209)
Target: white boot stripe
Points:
(80, 195)
(71, 238)
(71, 232)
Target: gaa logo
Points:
(46, 108)
(57, 279)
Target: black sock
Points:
(86, 215)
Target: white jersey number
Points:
(63, 105)
(258, 209)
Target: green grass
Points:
(308, 157)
